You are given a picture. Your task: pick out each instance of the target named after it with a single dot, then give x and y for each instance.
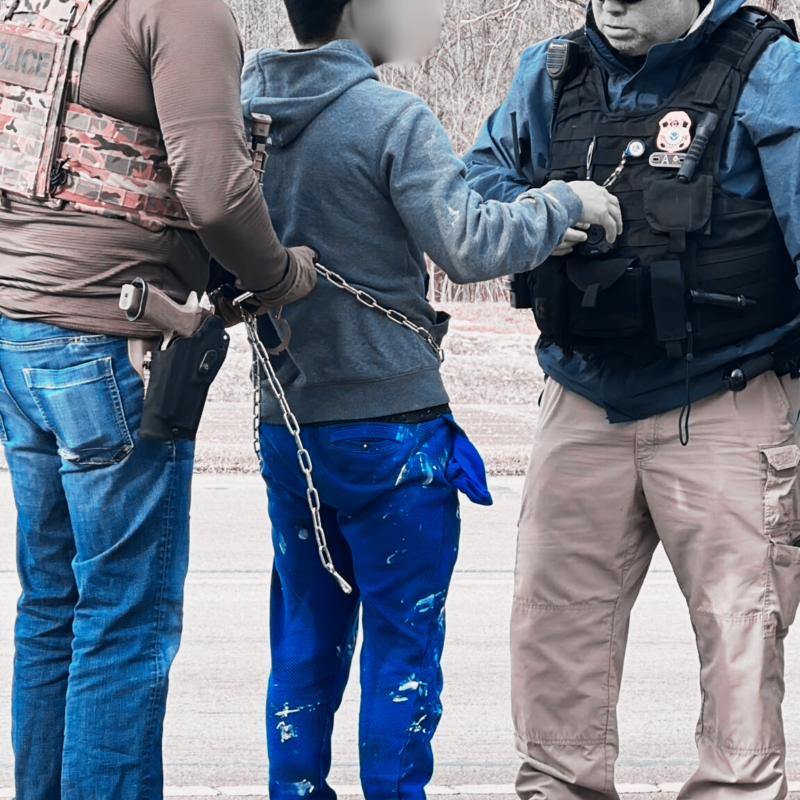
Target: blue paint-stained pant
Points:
(392, 521)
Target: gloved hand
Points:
(298, 281)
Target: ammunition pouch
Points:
(180, 378)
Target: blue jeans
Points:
(392, 521)
(102, 556)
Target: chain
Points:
(262, 361)
(256, 377)
(369, 301)
(617, 173)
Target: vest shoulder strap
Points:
(737, 45)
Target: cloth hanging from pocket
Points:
(465, 470)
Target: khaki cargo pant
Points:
(597, 501)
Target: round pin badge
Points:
(636, 149)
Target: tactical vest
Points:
(55, 151)
(657, 292)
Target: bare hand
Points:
(600, 207)
(574, 236)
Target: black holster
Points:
(180, 378)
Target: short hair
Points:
(315, 20)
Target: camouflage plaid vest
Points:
(53, 150)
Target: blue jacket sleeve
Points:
(469, 238)
(492, 164)
(768, 110)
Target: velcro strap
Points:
(85, 121)
(86, 190)
(711, 84)
(590, 296)
(37, 114)
(669, 304)
(630, 129)
(677, 240)
(117, 169)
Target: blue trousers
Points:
(102, 543)
(392, 521)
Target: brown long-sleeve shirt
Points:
(174, 65)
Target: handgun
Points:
(142, 302)
(178, 376)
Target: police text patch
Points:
(26, 61)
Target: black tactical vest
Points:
(682, 242)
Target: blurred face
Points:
(399, 31)
(633, 28)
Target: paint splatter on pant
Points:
(392, 521)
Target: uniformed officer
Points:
(122, 155)
(671, 407)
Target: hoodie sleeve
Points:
(469, 238)
(193, 52)
(492, 168)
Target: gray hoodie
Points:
(365, 174)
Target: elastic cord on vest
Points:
(686, 411)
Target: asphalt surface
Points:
(214, 730)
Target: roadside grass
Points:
(490, 371)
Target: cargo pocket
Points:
(784, 588)
(781, 493)
(83, 407)
(783, 529)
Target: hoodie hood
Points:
(295, 87)
(663, 56)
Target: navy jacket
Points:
(365, 174)
(761, 158)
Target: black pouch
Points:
(547, 291)
(668, 291)
(677, 208)
(180, 378)
(605, 298)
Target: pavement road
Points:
(214, 730)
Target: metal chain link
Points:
(255, 376)
(262, 361)
(369, 301)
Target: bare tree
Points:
(468, 75)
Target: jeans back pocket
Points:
(83, 408)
